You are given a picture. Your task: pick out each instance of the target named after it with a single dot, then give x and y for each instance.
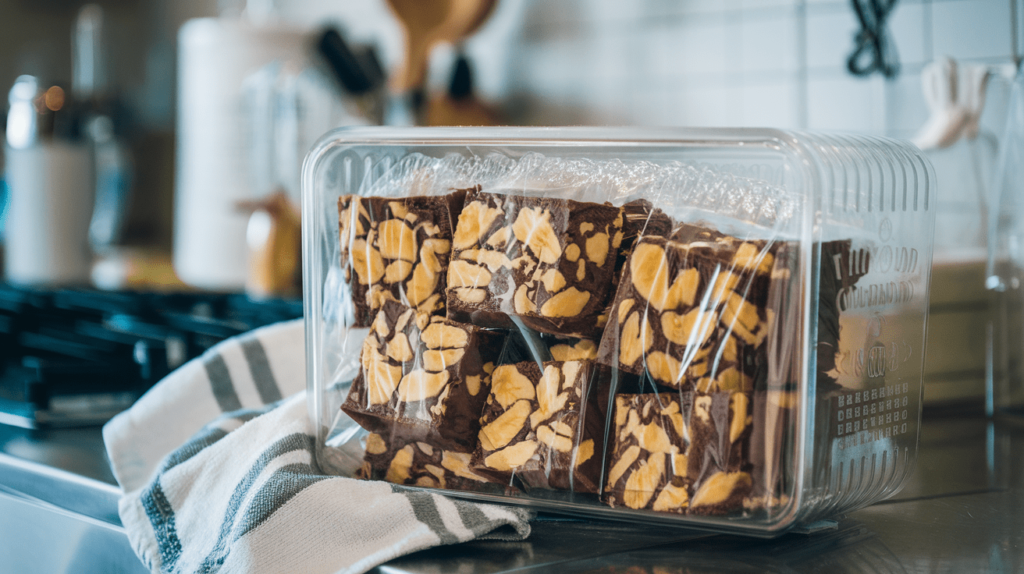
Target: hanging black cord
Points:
(875, 51)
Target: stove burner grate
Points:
(75, 357)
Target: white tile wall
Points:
(701, 62)
(703, 106)
(694, 47)
(842, 102)
(907, 26)
(1019, 5)
(974, 29)
(770, 104)
(769, 43)
(830, 32)
(698, 6)
(758, 4)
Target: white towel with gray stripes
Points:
(218, 471)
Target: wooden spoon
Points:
(465, 18)
(427, 22)
(421, 20)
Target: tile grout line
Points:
(929, 36)
(1014, 34)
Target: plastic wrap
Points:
(660, 327)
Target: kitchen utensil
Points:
(357, 71)
(425, 23)
(459, 106)
(465, 18)
(354, 71)
(421, 21)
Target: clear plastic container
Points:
(721, 329)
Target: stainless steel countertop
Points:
(962, 511)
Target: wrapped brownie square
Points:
(543, 263)
(647, 464)
(719, 454)
(396, 248)
(418, 463)
(526, 345)
(542, 426)
(692, 311)
(641, 219)
(423, 377)
(680, 452)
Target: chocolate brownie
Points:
(647, 465)
(540, 262)
(719, 454)
(396, 248)
(423, 377)
(641, 219)
(542, 427)
(692, 311)
(680, 452)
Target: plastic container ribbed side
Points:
(722, 329)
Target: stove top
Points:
(73, 357)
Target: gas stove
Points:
(74, 357)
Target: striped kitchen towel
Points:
(218, 471)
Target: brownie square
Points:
(680, 452)
(647, 464)
(692, 311)
(396, 248)
(641, 219)
(423, 377)
(719, 455)
(543, 263)
(418, 463)
(542, 427)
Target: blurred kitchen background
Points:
(166, 135)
